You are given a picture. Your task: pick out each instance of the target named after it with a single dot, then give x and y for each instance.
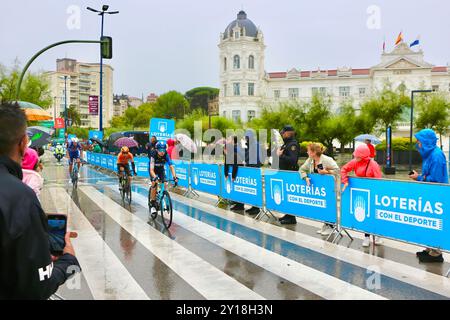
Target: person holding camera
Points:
(27, 268)
(319, 163)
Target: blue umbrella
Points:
(364, 137)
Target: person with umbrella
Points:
(124, 157)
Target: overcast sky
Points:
(172, 44)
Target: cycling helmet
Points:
(75, 140)
(161, 146)
(125, 149)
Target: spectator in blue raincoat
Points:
(434, 169)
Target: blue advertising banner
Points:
(205, 177)
(246, 188)
(409, 211)
(111, 162)
(95, 134)
(97, 161)
(182, 172)
(286, 192)
(141, 166)
(88, 156)
(104, 161)
(162, 129)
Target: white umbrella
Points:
(186, 142)
(277, 138)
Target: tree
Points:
(217, 122)
(171, 105)
(387, 106)
(434, 113)
(200, 96)
(34, 89)
(74, 115)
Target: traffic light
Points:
(106, 47)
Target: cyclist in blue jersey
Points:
(158, 160)
(74, 152)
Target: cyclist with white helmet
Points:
(158, 160)
(74, 152)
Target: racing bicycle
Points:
(163, 203)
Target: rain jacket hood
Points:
(434, 164)
(362, 151)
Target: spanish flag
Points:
(399, 38)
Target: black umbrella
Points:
(38, 137)
(100, 142)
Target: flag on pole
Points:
(415, 42)
(399, 38)
(384, 45)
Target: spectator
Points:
(363, 166)
(371, 148)
(434, 169)
(150, 147)
(96, 148)
(30, 171)
(319, 163)
(233, 159)
(171, 149)
(253, 158)
(288, 160)
(26, 268)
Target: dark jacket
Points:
(291, 152)
(26, 269)
(253, 153)
(235, 161)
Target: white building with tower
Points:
(246, 87)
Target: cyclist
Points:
(59, 152)
(74, 152)
(158, 160)
(122, 163)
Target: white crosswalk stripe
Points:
(315, 281)
(194, 270)
(107, 278)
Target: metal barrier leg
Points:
(448, 273)
(264, 212)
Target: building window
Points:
(237, 89)
(251, 62)
(236, 62)
(224, 90)
(293, 93)
(344, 92)
(236, 115)
(276, 94)
(251, 114)
(225, 64)
(435, 87)
(224, 114)
(251, 89)
(362, 92)
(321, 90)
(236, 35)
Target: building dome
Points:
(242, 22)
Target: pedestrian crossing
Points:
(236, 236)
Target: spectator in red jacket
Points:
(371, 148)
(363, 166)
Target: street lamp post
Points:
(65, 103)
(411, 124)
(102, 14)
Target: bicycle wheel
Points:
(166, 209)
(122, 189)
(129, 192)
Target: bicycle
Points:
(125, 187)
(163, 204)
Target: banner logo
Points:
(360, 203)
(277, 190)
(195, 174)
(162, 126)
(228, 186)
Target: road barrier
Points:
(412, 212)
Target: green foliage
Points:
(398, 144)
(199, 97)
(81, 133)
(34, 89)
(387, 106)
(171, 105)
(74, 115)
(219, 123)
(433, 111)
